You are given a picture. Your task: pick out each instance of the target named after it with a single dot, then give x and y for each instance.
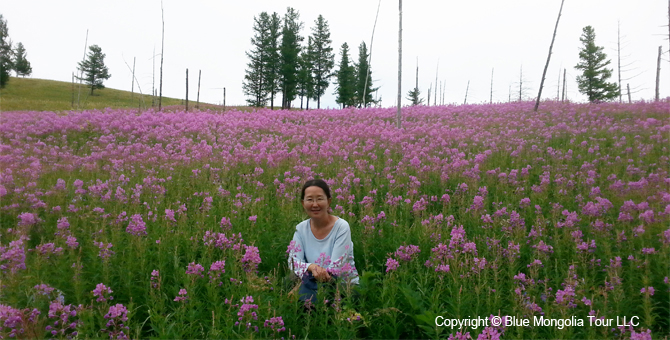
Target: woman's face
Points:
(315, 203)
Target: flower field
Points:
(176, 225)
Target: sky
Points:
(470, 40)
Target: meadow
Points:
(177, 225)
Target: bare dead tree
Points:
(140, 101)
(72, 106)
(491, 97)
(197, 103)
(564, 82)
(520, 82)
(160, 86)
(81, 73)
(153, 79)
(558, 86)
(618, 44)
(132, 83)
(629, 100)
(544, 74)
(367, 74)
(186, 90)
(624, 67)
(466, 93)
(436, 72)
(658, 72)
(444, 90)
(429, 88)
(399, 63)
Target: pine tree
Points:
(363, 71)
(415, 96)
(323, 59)
(21, 64)
(5, 52)
(289, 53)
(255, 83)
(346, 79)
(272, 57)
(94, 69)
(305, 78)
(593, 81)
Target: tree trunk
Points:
(563, 96)
(132, 85)
(436, 72)
(81, 74)
(520, 82)
(429, 88)
(491, 97)
(197, 103)
(160, 86)
(618, 44)
(629, 100)
(72, 106)
(544, 74)
(398, 114)
(658, 72)
(186, 90)
(367, 73)
(466, 93)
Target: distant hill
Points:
(27, 94)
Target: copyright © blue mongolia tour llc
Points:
(536, 321)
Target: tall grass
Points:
(487, 210)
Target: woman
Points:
(321, 250)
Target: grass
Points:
(26, 94)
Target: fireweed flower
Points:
(225, 223)
(43, 289)
(137, 226)
(460, 336)
(155, 279)
(105, 249)
(215, 270)
(100, 291)
(116, 316)
(649, 291)
(251, 259)
(391, 264)
(183, 295)
(276, 324)
(247, 313)
(195, 269)
(169, 215)
(63, 326)
(406, 253)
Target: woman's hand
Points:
(319, 273)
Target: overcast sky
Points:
(469, 38)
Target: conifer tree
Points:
(255, 82)
(323, 58)
(94, 69)
(289, 55)
(5, 52)
(593, 63)
(305, 77)
(273, 61)
(363, 70)
(346, 79)
(21, 64)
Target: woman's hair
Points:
(315, 183)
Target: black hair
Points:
(315, 183)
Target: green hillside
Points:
(26, 94)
